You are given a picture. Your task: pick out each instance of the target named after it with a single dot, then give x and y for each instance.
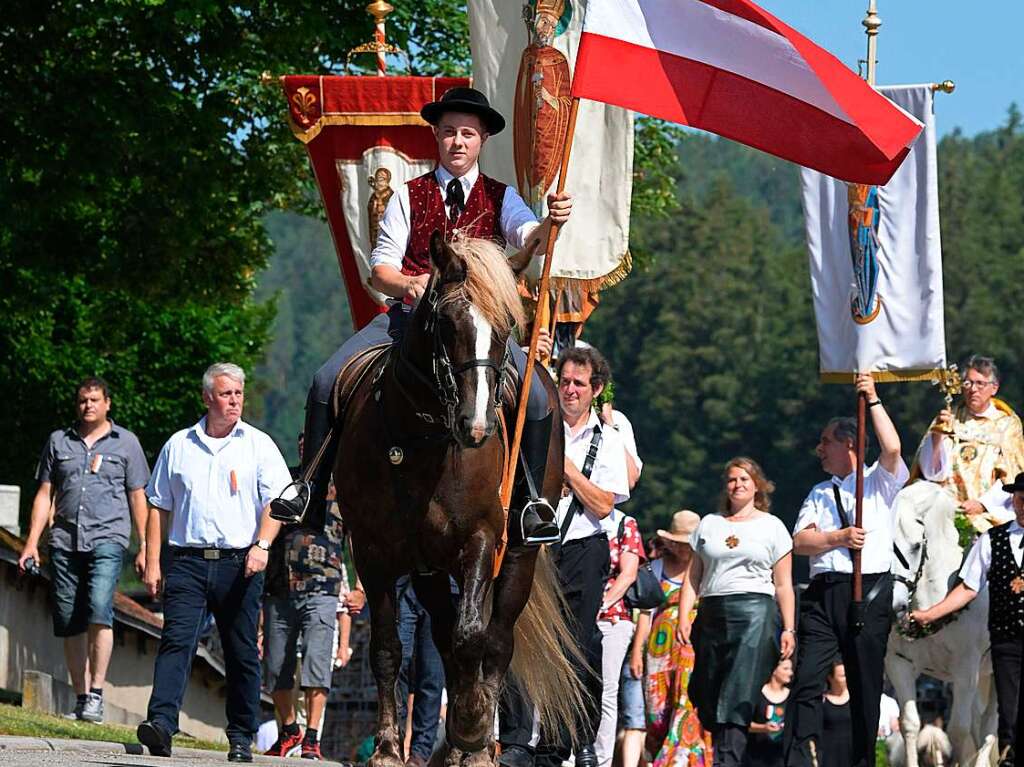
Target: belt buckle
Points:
(211, 553)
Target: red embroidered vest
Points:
(427, 214)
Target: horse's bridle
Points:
(910, 629)
(444, 385)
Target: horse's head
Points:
(909, 549)
(470, 308)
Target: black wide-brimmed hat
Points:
(467, 100)
(1017, 486)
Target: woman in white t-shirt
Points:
(743, 565)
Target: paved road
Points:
(32, 752)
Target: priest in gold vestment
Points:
(970, 452)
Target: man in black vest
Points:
(997, 558)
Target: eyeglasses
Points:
(969, 384)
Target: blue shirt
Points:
(216, 489)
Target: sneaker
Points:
(92, 710)
(311, 750)
(286, 745)
(76, 713)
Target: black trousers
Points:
(824, 633)
(583, 570)
(1007, 656)
(730, 745)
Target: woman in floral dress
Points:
(674, 734)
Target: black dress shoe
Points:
(538, 525)
(515, 756)
(290, 507)
(154, 737)
(586, 756)
(240, 752)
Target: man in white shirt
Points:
(596, 479)
(826, 533)
(210, 494)
(455, 198)
(996, 560)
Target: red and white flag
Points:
(730, 67)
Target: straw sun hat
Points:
(684, 523)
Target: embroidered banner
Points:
(364, 137)
(876, 263)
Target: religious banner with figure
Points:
(523, 56)
(365, 138)
(876, 262)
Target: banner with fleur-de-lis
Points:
(365, 138)
(876, 262)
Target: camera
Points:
(31, 566)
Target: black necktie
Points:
(455, 199)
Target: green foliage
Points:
(141, 154)
(713, 346)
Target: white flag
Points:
(594, 246)
(876, 263)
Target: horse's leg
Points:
(903, 676)
(471, 703)
(385, 658)
(965, 682)
(511, 592)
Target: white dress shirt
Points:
(216, 489)
(974, 572)
(994, 499)
(516, 223)
(624, 427)
(609, 474)
(819, 509)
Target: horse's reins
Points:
(922, 631)
(444, 385)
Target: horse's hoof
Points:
(384, 760)
(482, 758)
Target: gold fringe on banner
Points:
(305, 135)
(885, 376)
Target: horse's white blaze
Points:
(483, 351)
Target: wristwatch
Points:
(263, 544)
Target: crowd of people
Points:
(722, 667)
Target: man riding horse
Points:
(457, 200)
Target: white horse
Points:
(934, 748)
(927, 557)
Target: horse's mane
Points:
(490, 285)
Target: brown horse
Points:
(417, 475)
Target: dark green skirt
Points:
(736, 644)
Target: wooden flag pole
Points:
(862, 409)
(871, 24)
(531, 356)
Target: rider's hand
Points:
(850, 537)
(415, 287)
(970, 508)
(559, 208)
(865, 384)
(544, 343)
(30, 550)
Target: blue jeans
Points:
(422, 661)
(83, 587)
(193, 589)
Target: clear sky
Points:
(977, 45)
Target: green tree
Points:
(141, 154)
